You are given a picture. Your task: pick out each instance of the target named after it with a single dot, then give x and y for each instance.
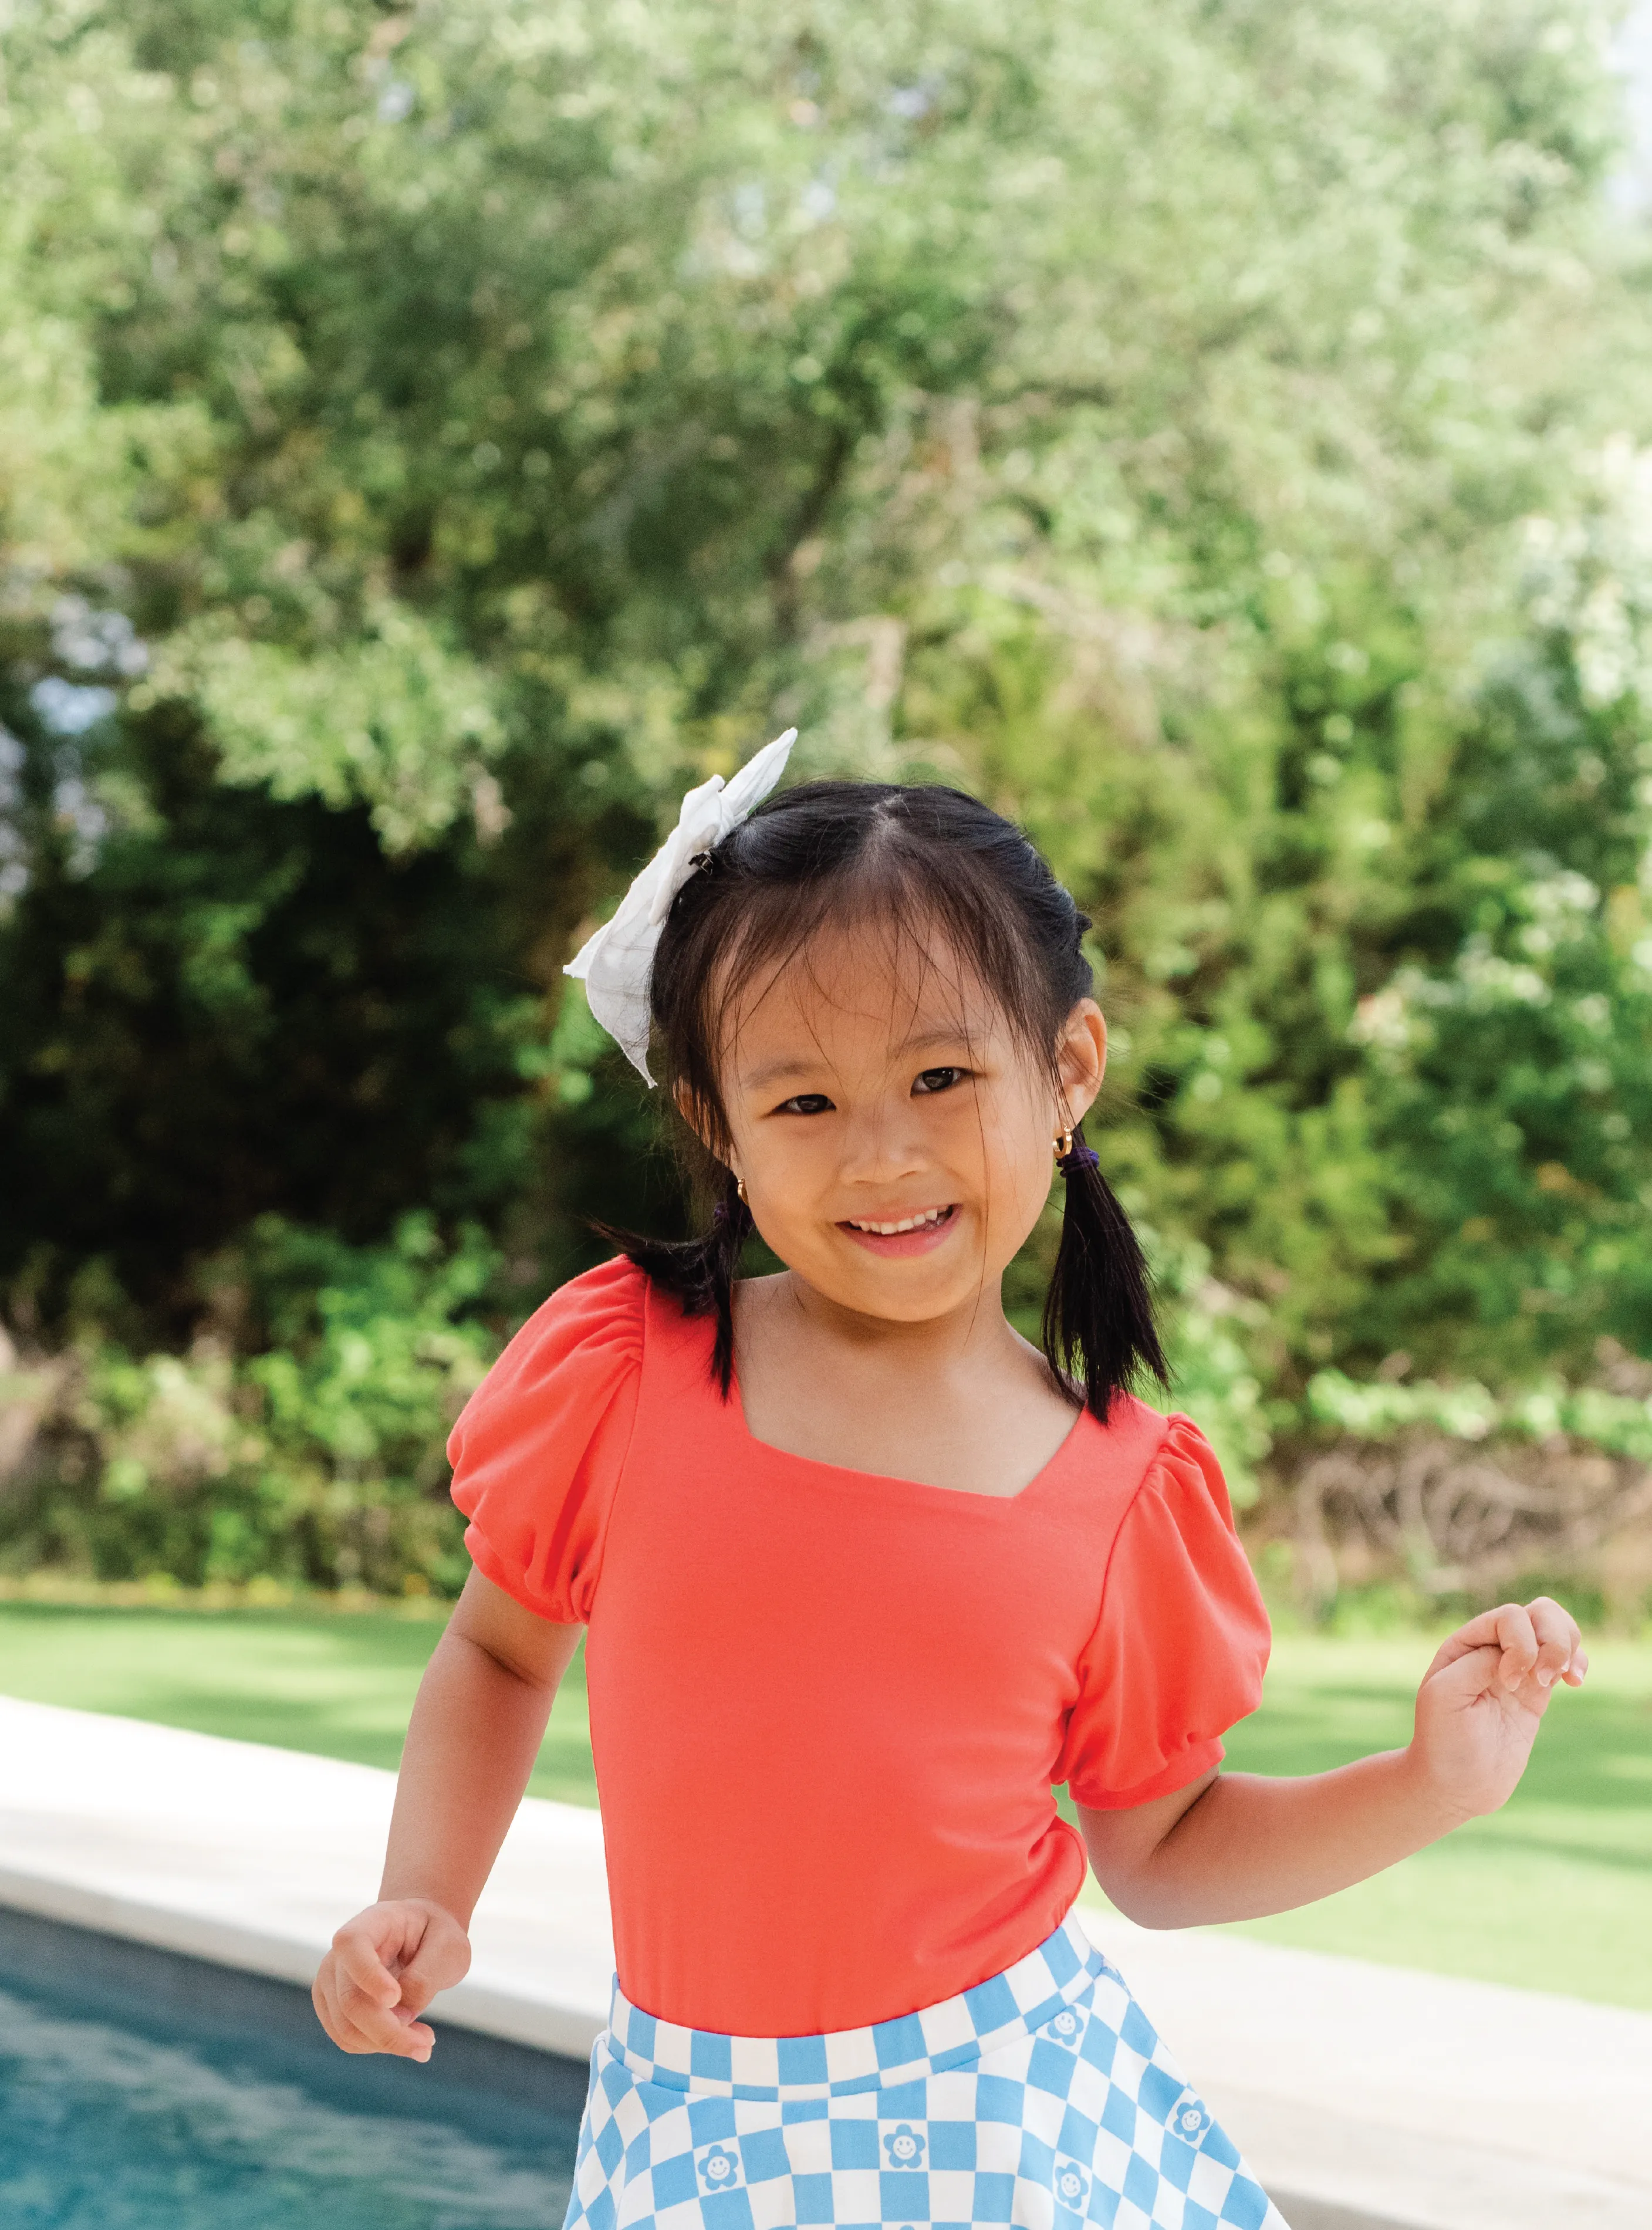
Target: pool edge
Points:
(536, 2023)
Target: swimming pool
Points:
(143, 2091)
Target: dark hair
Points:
(912, 859)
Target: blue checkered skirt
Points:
(1042, 2098)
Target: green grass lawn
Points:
(1554, 1892)
(339, 1683)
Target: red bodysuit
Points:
(827, 1708)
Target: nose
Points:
(882, 1143)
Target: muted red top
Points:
(827, 1708)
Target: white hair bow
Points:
(617, 963)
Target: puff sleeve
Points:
(538, 1449)
(1178, 1650)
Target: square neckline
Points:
(884, 1480)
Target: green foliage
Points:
(430, 439)
(317, 1460)
(1619, 1423)
(385, 722)
(1214, 1380)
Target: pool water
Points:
(126, 2108)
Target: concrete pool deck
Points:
(1366, 2097)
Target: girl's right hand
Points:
(384, 1968)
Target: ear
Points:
(692, 1114)
(699, 1120)
(1080, 1061)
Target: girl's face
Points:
(894, 1134)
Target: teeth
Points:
(911, 1223)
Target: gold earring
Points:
(739, 1187)
(1063, 1145)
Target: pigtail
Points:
(1098, 1312)
(700, 1273)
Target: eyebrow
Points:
(760, 1079)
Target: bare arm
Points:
(1235, 1845)
(476, 1730)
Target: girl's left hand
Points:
(1481, 1700)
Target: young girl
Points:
(862, 1574)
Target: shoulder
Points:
(1184, 1469)
(1177, 1546)
(1140, 1452)
(601, 1312)
(1153, 1487)
(540, 1447)
(1123, 1450)
(1181, 1491)
(579, 1349)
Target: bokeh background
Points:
(1219, 433)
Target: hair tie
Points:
(1079, 1156)
(617, 963)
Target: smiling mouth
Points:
(928, 1219)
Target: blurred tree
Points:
(432, 438)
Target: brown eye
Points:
(804, 1103)
(939, 1079)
